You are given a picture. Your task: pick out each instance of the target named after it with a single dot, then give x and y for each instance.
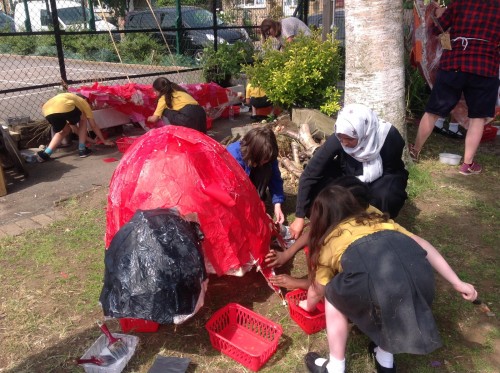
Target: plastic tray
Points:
(310, 322)
(138, 325)
(244, 335)
(124, 143)
(100, 348)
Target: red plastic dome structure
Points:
(177, 167)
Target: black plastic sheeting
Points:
(154, 267)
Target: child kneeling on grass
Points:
(376, 274)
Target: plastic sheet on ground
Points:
(154, 269)
(179, 167)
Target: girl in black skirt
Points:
(178, 106)
(376, 274)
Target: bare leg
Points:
(473, 138)
(424, 130)
(82, 129)
(59, 136)
(337, 330)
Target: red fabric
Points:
(179, 167)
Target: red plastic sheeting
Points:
(179, 167)
(139, 100)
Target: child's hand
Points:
(274, 259)
(152, 118)
(288, 282)
(467, 290)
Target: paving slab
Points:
(31, 200)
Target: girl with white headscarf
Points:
(364, 146)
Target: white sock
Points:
(453, 127)
(384, 358)
(439, 123)
(333, 366)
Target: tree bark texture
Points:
(375, 58)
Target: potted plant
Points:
(225, 63)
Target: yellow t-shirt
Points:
(339, 240)
(179, 100)
(256, 92)
(66, 102)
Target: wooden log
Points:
(3, 184)
(318, 122)
(290, 166)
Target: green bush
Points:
(417, 91)
(304, 74)
(138, 48)
(226, 62)
(90, 47)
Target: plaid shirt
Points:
(468, 21)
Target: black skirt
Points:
(191, 116)
(386, 289)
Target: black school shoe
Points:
(84, 153)
(310, 358)
(380, 368)
(41, 156)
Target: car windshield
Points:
(199, 18)
(75, 15)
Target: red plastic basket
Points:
(124, 143)
(138, 325)
(244, 335)
(489, 133)
(310, 322)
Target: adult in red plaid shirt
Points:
(471, 67)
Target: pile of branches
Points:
(296, 144)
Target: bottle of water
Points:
(231, 112)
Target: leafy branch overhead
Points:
(303, 74)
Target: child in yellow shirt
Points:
(178, 106)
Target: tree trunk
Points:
(374, 58)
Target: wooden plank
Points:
(3, 185)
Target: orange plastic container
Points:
(123, 143)
(138, 325)
(310, 322)
(244, 335)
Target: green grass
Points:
(51, 281)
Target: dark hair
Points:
(333, 205)
(267, 25)
(166, 89)
(259, 146)
(359, 189)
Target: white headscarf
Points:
(360, 122)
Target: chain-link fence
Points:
(47, 46)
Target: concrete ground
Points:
(30, 202)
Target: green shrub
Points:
(417, 91)
(225, 63)
(304, 74)
(138, 48)
(19, 44)
(90, 47)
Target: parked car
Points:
(71, 16)
(192, 41)
(316, 21)
(6, 23)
